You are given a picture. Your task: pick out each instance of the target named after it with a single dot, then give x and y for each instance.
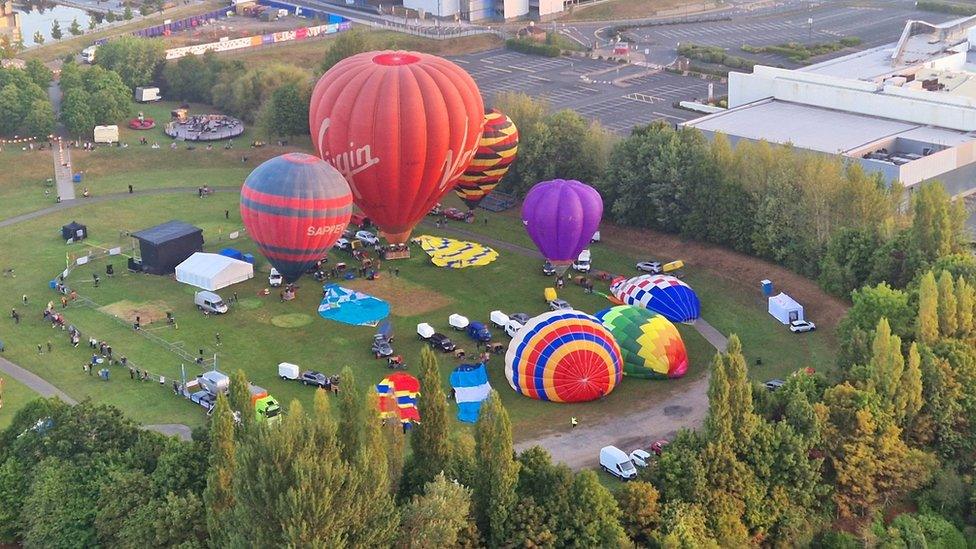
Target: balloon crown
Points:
(300, 158)
(394, 58)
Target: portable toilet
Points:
(767, 287)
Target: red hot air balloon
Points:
(401, 127)
(295, 206)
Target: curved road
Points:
(577, 447)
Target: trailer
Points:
(147, 94)
(458, 322)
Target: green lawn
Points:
(15, 396)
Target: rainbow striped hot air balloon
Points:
(496, 151)
(398, 394)
(295, 206)
(650, 345)
(660, 293)
(563, 356)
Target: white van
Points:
(275, 279)
(512, 328)
(287, 370)
(582, 263)
(617, 463)
(210, 302)
(88, 54)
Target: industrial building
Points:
(905, 110)
(10, 22)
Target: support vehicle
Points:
(582, 263)
(800, 326)
(479, 332)
(498, 319)
(640, 458)
(651, 267)
(559, 305)
(512, 327)
(381, 346)
(441, 342)
(617, 463)
(275, 279)
(210, 302)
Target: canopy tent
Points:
(471, 388)
(784, 308)
(352, 307)
(213, 271)
(74, 231)
(456, 254)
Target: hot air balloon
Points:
(397, 397)
(496, 152)
(295, 206)
(401, 127)
(563, 356)
(650, 345)
(660, 293)
(561, 216)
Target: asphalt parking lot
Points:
(585, 85)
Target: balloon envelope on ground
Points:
(471, 388)
(295, 207)
(401, 127)
(650, 345)
(561, 216)
(660, 293)
(563, 356)
(496, 152)
(398, 394)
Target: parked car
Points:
(658, 446)
(548, 269)
(617, 463)
(582, 263)
(275, 279)
(341, 244)
(521, 318)
(441, 342)
(479, 332)
(800, 326)
(774, 384)
(458, 215)
(210, 302)
(513, 327)
(367, 237)
(498, 318)
(360, 220)
(652, 267)
(318, 379)
(559, 304)
(436, 210)
(381, 346)
(640, 458)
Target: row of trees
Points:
(25, 108)
(92, 97)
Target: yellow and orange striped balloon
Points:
(496, 152)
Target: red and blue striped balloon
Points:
(295, 206)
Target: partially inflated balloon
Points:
(495, 154)
(563, 356)
(651, 346)
(660, 293)
(401, 127)
(295, 206)
(561, 216)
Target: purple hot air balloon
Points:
(561, 216)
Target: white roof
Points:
(213, 271)
(785, 302)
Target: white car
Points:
(559, 304)
(641, 458)
(275, 279)
(582, 263)
(800, 326)
(653, 267)
(367, 237)
(512, 328)
(341, 244)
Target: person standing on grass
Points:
(1, 346)
(39, 349)
(15, 315)
(25, 299)
(49, 346)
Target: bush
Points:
(532, 48)
(850, 41)
(945, 7)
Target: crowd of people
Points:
(205, 127)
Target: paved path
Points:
(33, 381)
(62, 171)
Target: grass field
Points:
(636, 9)
(15, 395)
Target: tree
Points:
(40, 119)
(243, 92)
(92, 23)
(393, 442)
(76, 112)
(285, 113)
(56, 32)
(345, 45)
(192, 77)
(58, 511)
(110, 98)
(38, 38)
(966, 306)
(239, 398)
(219, 494)
(38, 73)
(596, 520)
(494, 492)
(435, 518)
(75, 28)
(127, 13)
(11, 110)
(884, 372)
(639, 512)
(927, 322)
(938, 222)
(909, 395)
(429, 441)
(684, 527)
(135, 59)
(110, 17)
(948, 314)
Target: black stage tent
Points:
(165, 246)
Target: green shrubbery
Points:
(534, 48)
(945, 7)
(714, 55)
(801, 52)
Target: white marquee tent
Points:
(784, 308)
(213, 271)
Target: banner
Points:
(229, 44)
